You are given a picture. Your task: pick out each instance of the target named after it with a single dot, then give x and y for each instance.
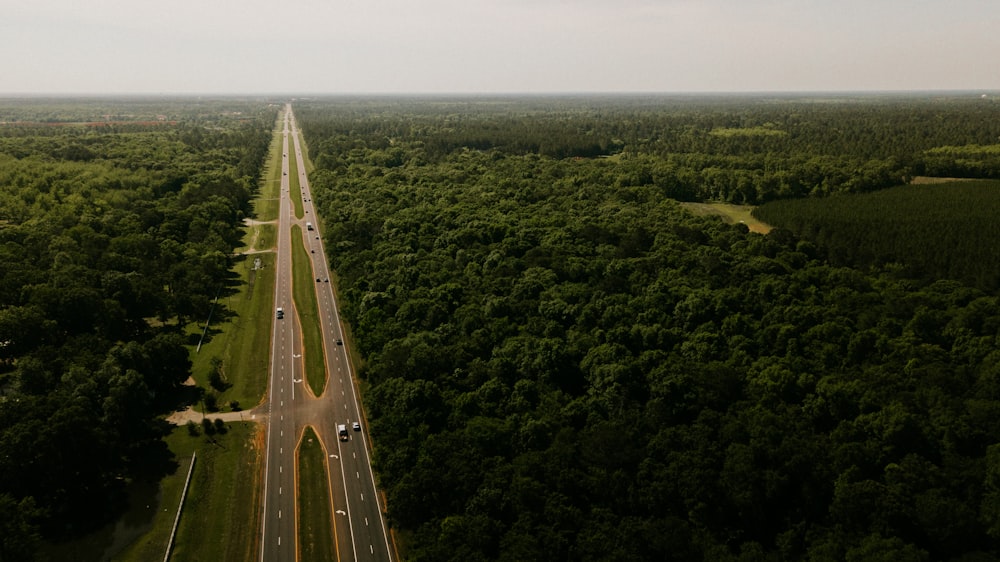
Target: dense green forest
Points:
(946, 231)
(112, 237)
(740, 150)
(563, 364)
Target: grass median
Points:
(304, 293)
(295, 188)
(316, 538)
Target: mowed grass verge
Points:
(267, 203)
(239, 337)
(220, 518)
(304, 293)
(315, 522)
(219, 521)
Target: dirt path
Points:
(190, 414)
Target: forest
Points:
(117, 228)
(561, 363)
(932, 231)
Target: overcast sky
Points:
(496, 46)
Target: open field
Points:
(304, 293)
(315, 522)
(730, 213)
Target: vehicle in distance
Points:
(340, 342)
(309, 225)
(356, 426)
(279, 313)
(342, 431)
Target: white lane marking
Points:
(366, 521)
(279, 516)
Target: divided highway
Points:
(358, 515)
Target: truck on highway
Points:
(342, 432)
(309, 226)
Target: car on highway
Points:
(342, 431)
(340, 341)
(279, 313)
(356, 426)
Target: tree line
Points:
(735, 149)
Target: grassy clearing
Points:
(730, 213)
(304, 293)
(316, 537)
(266, 237)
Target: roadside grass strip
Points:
(304, 293)
(315, 522)
(232, 363)
(267, 204)
(220, 518)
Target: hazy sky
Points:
(496, 46)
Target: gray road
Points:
(359, 523)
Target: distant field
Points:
(730, 213)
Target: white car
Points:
(356, 426)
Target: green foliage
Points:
(947, 231)
(112, 236)
(593, 373)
